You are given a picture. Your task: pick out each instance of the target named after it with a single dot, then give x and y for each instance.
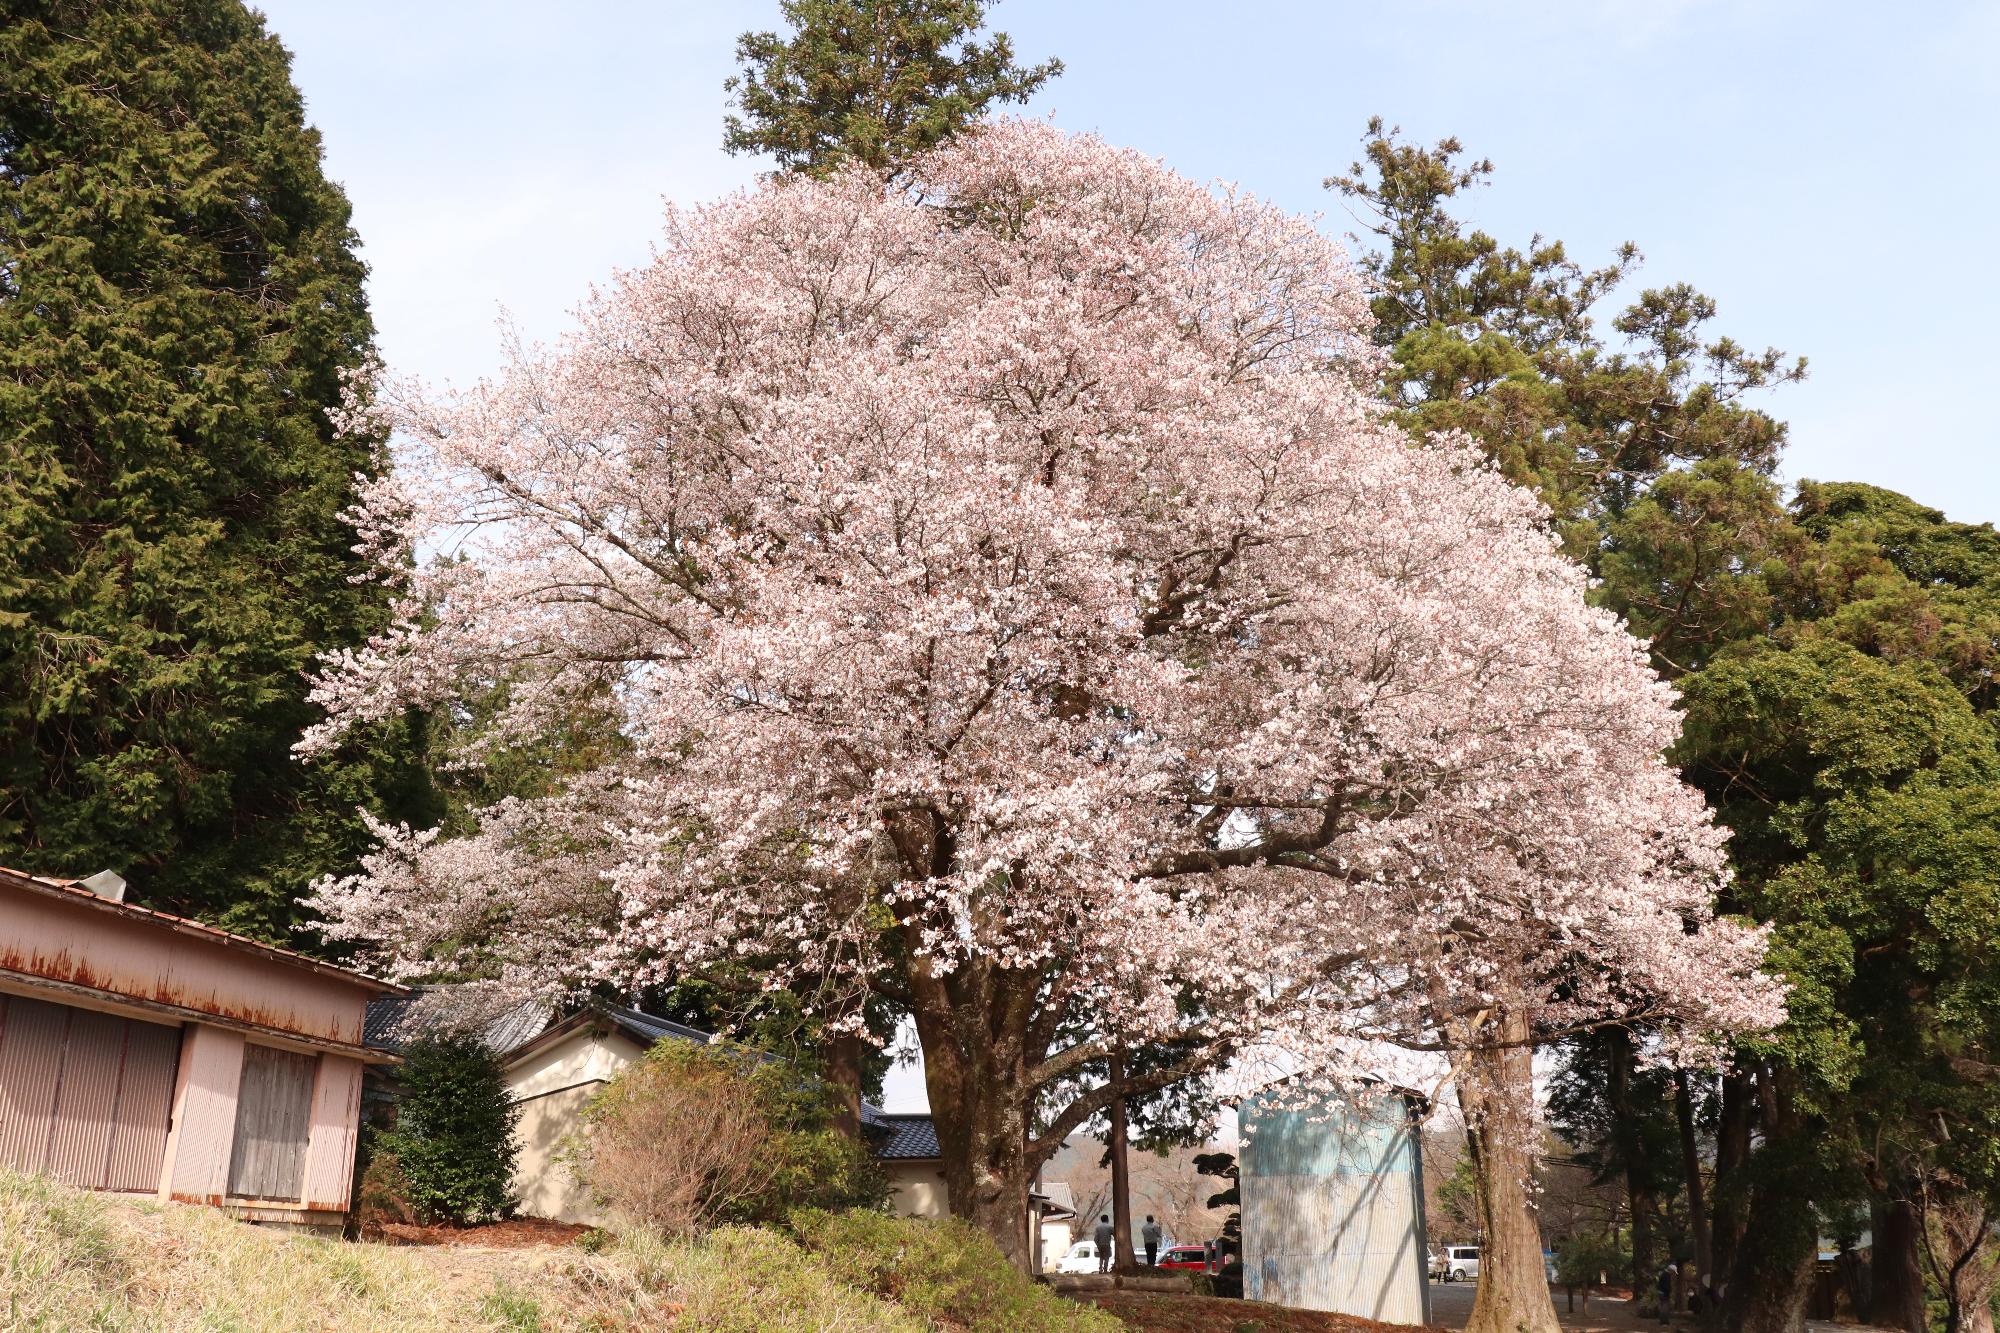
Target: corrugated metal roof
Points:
(73, 888)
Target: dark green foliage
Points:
(871, 81)
(1584, 1260)
(454, 1133)
(1502, 343)
(1852, 750)
(1222, 1166)
(179, 297)
(945, 1273)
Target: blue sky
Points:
(1824, 170)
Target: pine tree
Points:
(179, 298)
(870, 80)
(1502, 343)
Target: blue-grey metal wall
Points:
(1333, 1207)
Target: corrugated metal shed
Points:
(145, 1053)
(1333, 1206)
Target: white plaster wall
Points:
(551, 1087)
(916, 1189)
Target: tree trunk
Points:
(1645, 1266)
(1774, 1304)
(1626, 1141)
(1704, 1249)
(844, 1056)
(979, 1103)
(1963, 1259)
(1732, 1155)
(1496, 1090)
(1121, 1179)
(1772, 1275)
(1896, 1277)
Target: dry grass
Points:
(79, 1263)
(72, 1261)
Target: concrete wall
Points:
(1056, 1240)
(916, 1189)
(543, 1182)
(551, 1088)
(1333, 1209)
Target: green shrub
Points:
(693, 1136)
(454, 1134)
(943, 1272)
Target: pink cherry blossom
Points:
(1017, 604)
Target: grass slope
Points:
(71, 1262)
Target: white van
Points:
(1457, 1263)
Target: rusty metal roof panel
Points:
(73, 889)
(70, 946)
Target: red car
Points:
(1185, 1256)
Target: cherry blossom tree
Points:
(1017, 607)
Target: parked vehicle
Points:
(1185, 1256)
(1455, 1263)
(1082, 1258)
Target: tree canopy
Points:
(870, 81)
(179, 299)
(963, 556)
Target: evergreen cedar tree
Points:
(179, 296)
(1020, 608)
(870, 81)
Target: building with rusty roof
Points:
(143, 1053)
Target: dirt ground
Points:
(1451, 1306)
(518, 1233)
(1156, 1312)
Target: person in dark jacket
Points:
(1666, 1288)
(1105, 1249)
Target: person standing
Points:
(1103, 1236)
(1666, 1289)
(1150, 1233)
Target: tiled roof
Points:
(904, 1138)
(396, 1020)
(647, 1028)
